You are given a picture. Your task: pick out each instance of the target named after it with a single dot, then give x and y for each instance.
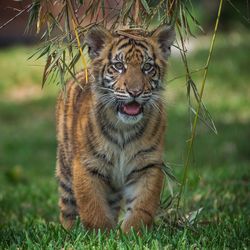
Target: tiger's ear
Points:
(164, 36)
(95, 39)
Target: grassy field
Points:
(219, 174)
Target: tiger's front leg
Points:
(142, 197)
(90, 192)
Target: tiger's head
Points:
(129, 68)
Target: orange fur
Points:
(104, 159)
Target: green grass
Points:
(218, 177)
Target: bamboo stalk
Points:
(191, 140)
(84, 63)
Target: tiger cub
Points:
(110, 131)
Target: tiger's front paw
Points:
(136, 222)
(67, 223)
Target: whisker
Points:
(104, 88)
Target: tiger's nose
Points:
(134, 92)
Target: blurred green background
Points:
(219, 174)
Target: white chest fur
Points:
(122, 167)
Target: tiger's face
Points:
(129, 70)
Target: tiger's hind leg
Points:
(67, 202)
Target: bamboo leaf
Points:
(125, 10)
(56, 56)
(168, 172)
(45, 51)
(46, 72)
(70, 71)
(145, 5)
(196, 22)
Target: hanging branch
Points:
(27, 8)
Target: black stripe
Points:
(103, 69)
(77, 97)
(105, 127)
(77, 107)
(95, 153)
(110, 71)
(151, 165)
(124, 45)
(153, 73)
(144, 211)
(145, 43)
(64, 169)
(136, 171)
(66, 107)
(106, 83)
(103, 177)
(139, 44)
(110, 53)
(105, 131)
(144, 151)
(108, 130)
(140, 209)
(115, 200)
(68, 201)
(122, 39)
(128, 52)
(158, 69)
(136, 134)
(65, 187)
(156, 126)
(139, 57)
(156, 82)
(66, 140)
(96, 173)
(130, 200)
(103, 120)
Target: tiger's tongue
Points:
(133, 108)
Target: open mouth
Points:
(132, 108)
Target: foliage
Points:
(218, 180)
(62, 33)
(73, 18)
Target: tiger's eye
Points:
(119, 66)
(147, 67)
